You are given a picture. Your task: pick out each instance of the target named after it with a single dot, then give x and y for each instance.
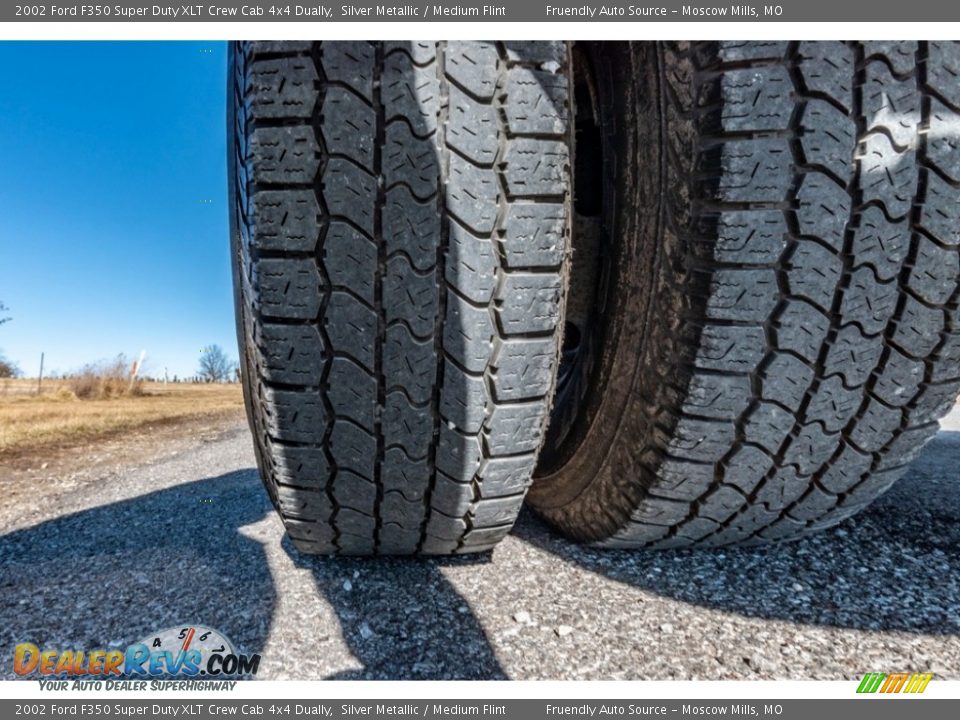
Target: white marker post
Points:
(135, 370)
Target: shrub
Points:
(105, 380)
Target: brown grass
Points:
(59, 418)
(104, 381)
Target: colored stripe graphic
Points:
(912, 683)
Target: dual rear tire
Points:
(703, 293)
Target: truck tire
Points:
(778, 331)
(399, 241)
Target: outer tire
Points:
(782, 334)
(400, 234)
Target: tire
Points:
(780, 328)
(400, 237)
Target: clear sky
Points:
(113, 215)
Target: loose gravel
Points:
(101, 555)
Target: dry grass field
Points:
(56, 418)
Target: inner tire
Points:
(400, 233)
(780, 328)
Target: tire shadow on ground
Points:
(408, 622)
(111, 575)
(895, 566)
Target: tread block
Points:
(745, 295)
(464, 399)
(943, 142)
(406, 425)
(898, 379)
(801, 328)
(473, 66)
(730, 348)
(515, 428)
(410, 298)
(351, 327)
(403, 475)
(740, 51)
(852, 356)
(881, 244)
(813, 273)
(506, 476)
(300, 466)
(285, 220)
(421, 52)
(768, 425)
(747, 468)
(935, 274)
(529, 303)
(683, 480)
(287, 288)
(411, 227)
(451, 498)
(754, 171)
(750, 237)
(409, 363)
(353, 448)
(917, 330)
(533, 235)
(410, 93)
(833, 404)
(496, 511)
(409, 160)
(350, 63)
(284, 154)
(758, 98)
(869, 303)
(458, 455)
(351, 126)
(829, 137)
(701, 440)
(472, 128)
(940, 216)
(540, 52)
(535, 168)
(717, 396)
(809, 450)
(350, 193)
(356, 497)
(828, 68)
(471, 265)
(472, 194)
(294, 416)
(824, 209)
(290, 354)
(468, 334)
(350, 260)
(786, 380)
(524, 368)
(352, 391)
(535, 102)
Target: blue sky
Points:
(113, 215)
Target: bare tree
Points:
(8, 369)
(3, 309)
(215, 366)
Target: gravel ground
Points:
(103, 552)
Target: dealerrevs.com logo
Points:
(191, 651)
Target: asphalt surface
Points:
(102, 555)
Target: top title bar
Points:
(515, 11)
